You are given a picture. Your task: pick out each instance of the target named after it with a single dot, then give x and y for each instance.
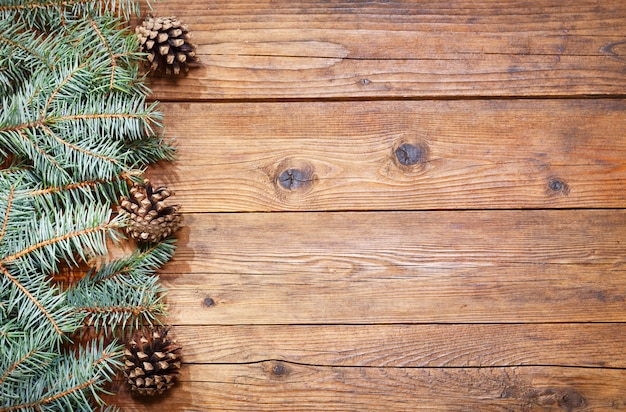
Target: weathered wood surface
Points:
(350, 155)
(476, 266)
(279, 386)
(489, 275)
(346, 49)
(599, 345)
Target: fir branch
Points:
(18, 40)
(46, 302)
(107, 47)
(84, 192)
(45, 197)
(143, 261)
(50, 14)
(21, 362)
(18, 364)
(67, 122)
(150, 149)
(112, 317)
(23, 52)
(14, 170)
(48, 234)
(51, 170)
(123, 291)
(30, 296)
(58, 396)
(75, 128)
(114, 115)
(72, 146)
(90, 116)
(86, 184)
(86, 232)
(64, 106)
(70, 381)
(115, 54)
(20, 127)
(74, 74)
(110, 304)
(44, 5)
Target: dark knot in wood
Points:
(409, 154)
(293, 179)
(558, 186)
(571, 400)
(295, 175)
(279, 369)
(566, 399)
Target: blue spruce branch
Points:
(75, 131)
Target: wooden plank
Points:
(343, 155)
(312, 49)
(581, 344)
(279, 386)
(390, 267)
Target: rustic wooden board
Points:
(279, 386)
(342, 155)
(408, 345)
(388, 267)
(313, 49)
(489, 275)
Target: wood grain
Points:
(405, 345)
(313, 49)
(379, 267)
(470, 155)
(279, 386)
(436, 243)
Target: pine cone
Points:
(167, 43)
(150, 218)
(151, 362)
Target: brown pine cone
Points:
(167, 43)
(151, 362)
(150, 219)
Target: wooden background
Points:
(398, 205)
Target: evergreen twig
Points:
(75, 129)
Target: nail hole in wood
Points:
(208, 301)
